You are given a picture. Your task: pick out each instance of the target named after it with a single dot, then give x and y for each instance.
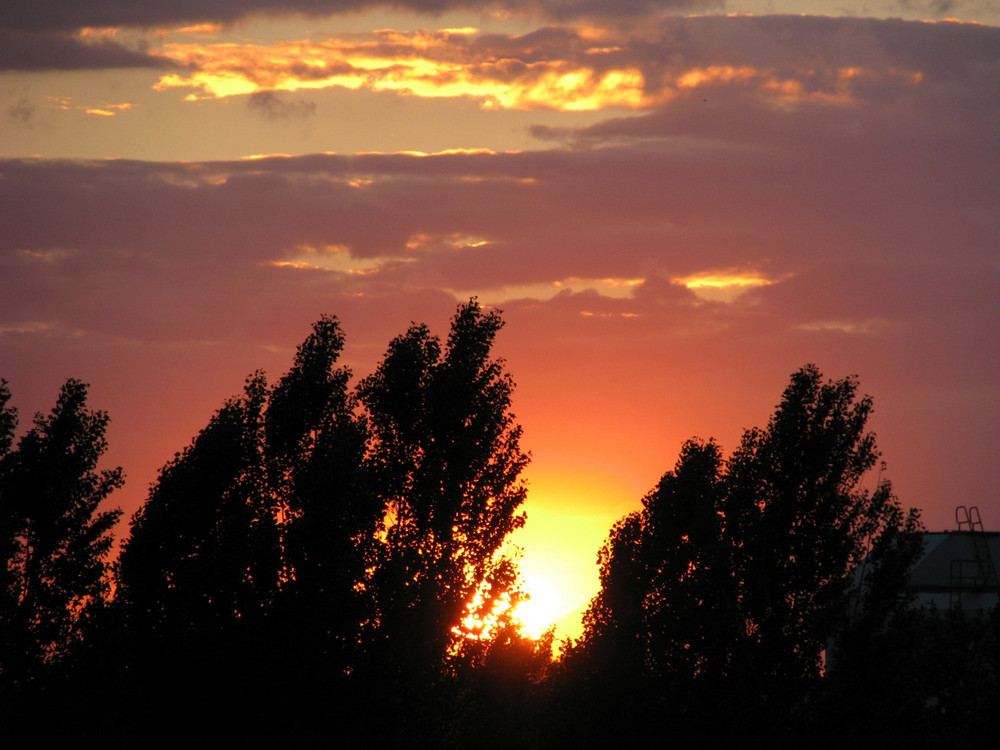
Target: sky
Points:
(675, 203)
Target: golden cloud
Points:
(335, 258)
(611, 288)
(724, 286)
(454, 241)
(567, 71)
(202, 29)
(832, 86)
(92, 32)
(857, 327)
(65, 103)
(426, 64)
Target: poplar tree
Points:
(446, 456)
(257, 532)
(242, 580)
(202, 555)
(54, 539)
(725, 588)
(316, 447)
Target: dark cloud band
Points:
(40, 51)
(71, 14)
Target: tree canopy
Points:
(447, 459)
(54, 539)
(734, 576)
(339, 534)
(203, 550)
(329, 559)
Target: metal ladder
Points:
(985, 572)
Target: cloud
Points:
(40, 51)
(273, 107)
(750, 191)
(937, 8)
(550, 68)
(847, 192)
(68, 14)
(691, 75)
(21, 111)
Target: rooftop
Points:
(958, 568)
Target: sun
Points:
(544, 606)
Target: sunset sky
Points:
(675, 203)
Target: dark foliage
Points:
(54, 542)
(203, 550)
(54, 539)
(241, 583)
(322, 566)
(320, 551)
(718, 598)
(447, 458)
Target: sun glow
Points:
(545, 604)
(542, 605)
(482, 617)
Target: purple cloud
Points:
(40, 51)
(67, 14)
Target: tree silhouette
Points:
(799, 520)
(203, 552)
(501, 695)
(891, 663)
(319, 561)
(337, 549)
(446, 458)
(727, 585)
(316, 447)
(11, 525)
(247, 562)
(269, 501)
(53, 573)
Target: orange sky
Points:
(674, 212)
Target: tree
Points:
(268, 498)
(203, 549)
(688, 607)
(729, 582)
(11, 525)
(8, 420)
(447, 460)
(799, 520)
(247, 562)
(325, 549)
(501, 694)
(316, 447)
(54, 538)
(615, 622)
(269, 502)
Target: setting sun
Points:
(545, 604)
